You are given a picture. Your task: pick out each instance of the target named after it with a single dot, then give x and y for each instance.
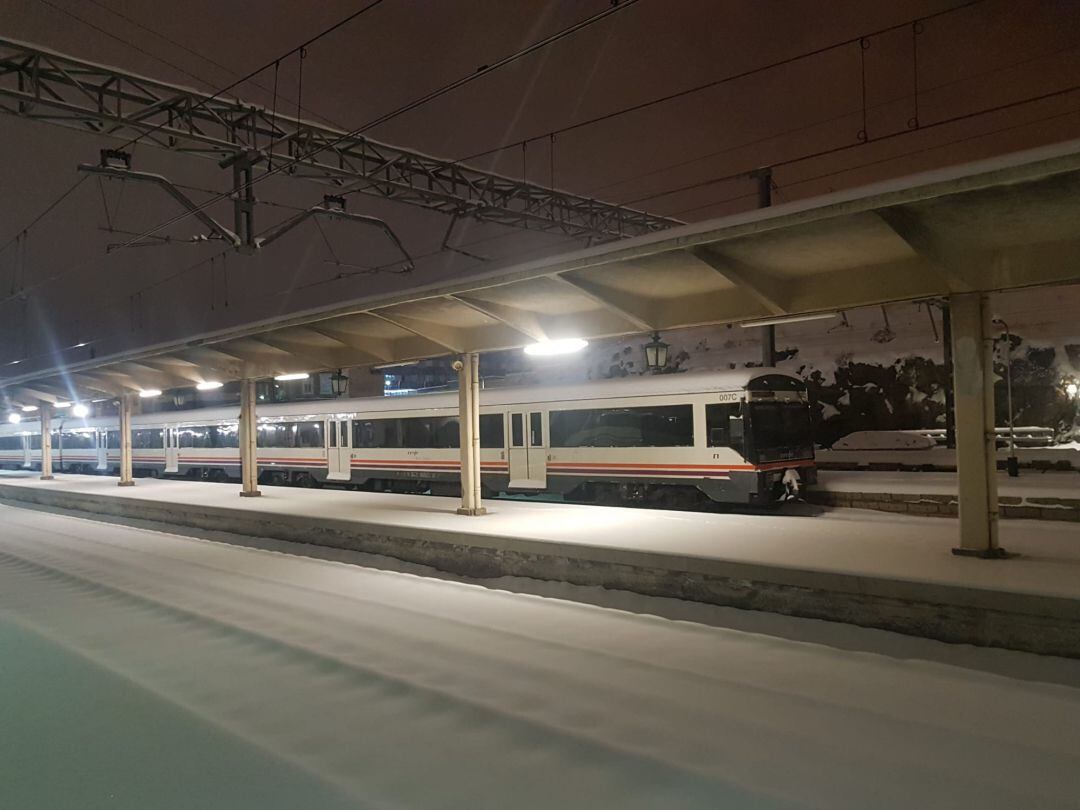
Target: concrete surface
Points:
(894, 572)
(141, 669)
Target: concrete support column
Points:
(45, 413)
(468, 369)
(976, 442)
(127, 402)
(249, 432)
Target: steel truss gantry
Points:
(46, 86)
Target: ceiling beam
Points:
(293, 353)
(911, 228)
(149, 377)
(763, 287)
(625, 306)
(442, 336)
(37, 394)
(373, 350)
(94, 382)
(522, 321)
(176, 367)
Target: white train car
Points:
(737, 437)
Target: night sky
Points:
(980, 57)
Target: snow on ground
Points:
(849, 541)
(1028, 484)
(184, 659)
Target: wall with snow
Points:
(870, 369)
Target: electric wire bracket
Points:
(118, 164)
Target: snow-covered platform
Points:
(1032, 495)
(889, 571)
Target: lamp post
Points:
(1012, 464)
(656, 354)
(339, 383)
(1072, 390)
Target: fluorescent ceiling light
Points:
(547, 348)
(61, 405)
(302, 375)
(146, 393)
(209, 385)
(81, 411)
(817, 316)
(29, 408)
(14, 418)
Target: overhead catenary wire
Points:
(859, 143)
(887, 159)
(137, 296)
(743, 74)
(131, 142)
(480, 72)
(831, 119)
(199, 55)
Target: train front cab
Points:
(766, 431)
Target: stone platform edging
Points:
(1029, 622)
(1014, 507)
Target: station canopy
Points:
(995, 225)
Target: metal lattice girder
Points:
(46, 86)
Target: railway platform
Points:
(890, 571)
(1033, 495)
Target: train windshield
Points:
(780, 426)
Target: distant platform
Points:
(1033, 495)
(891, 571)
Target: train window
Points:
(725, 426)
(491, 430)
(377, 433)
(11, 443)
(780, 424)
(418, 432)
(657, 426)
(35, 441)
(147, 439)
(198, 437)
(309, 434)
(224, 436)
(273, 435)
(536, 430)
(113, 439)
(78, 441)
(517, 430)
(291, 434)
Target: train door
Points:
(172, 450)
(102, 444)
(28, 445)
(339, 450)
(527, 450)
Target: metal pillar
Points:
(45, 412)
(976, 441)
(950, 404)
(768, 346)
(763, 177)
(468, 369)
(126, 479)
(249, 432)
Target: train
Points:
(673, 440)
